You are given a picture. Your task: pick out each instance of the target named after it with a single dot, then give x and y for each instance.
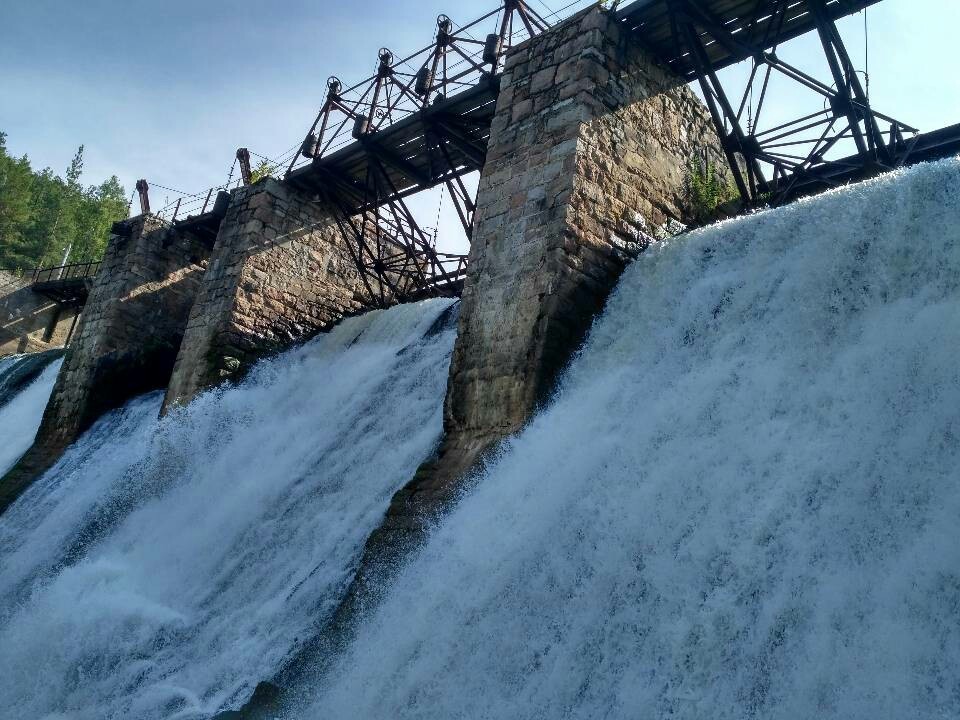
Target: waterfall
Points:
(743, 502)
(26, 382)
(163, 567)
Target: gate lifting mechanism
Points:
(796, 150)
(395, 256)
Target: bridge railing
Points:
(74, 271)
(185, 206)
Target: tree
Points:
(16, 207)
(43, 215)
(264, 169)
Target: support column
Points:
(280, 272)
(127, 341)
(588, 162)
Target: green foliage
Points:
(264, 169)
(42, 214)
(707, 189)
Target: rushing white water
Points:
(743, 503)
(20, 415)
(162, 568)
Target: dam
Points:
(299, 461)
(584, 135)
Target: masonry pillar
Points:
(127, 340)
(280, 272)
(588, 162)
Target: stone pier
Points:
(127, 341)
(280, 272)
(588, 162)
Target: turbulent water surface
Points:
(743, 503)
(162, 568)
(21, 408)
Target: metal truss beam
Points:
(455, 60)
(417, 123)
(797, 150)
(395, 257)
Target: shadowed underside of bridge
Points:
(65, 284)
(755, 25)
(446, 140)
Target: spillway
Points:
(26, 382)
(742, 503)
(163, 567)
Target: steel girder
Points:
(793, 153)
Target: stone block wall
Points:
(30, 322)
(279, 273)
(588, 162)
(127, 341)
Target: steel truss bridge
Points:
(424, 120)
(698, 38)
(419, 122)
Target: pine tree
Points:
(42, 214)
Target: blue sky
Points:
(168, 91)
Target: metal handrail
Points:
(73, 271)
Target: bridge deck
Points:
(65, 284)
(407, 150)
(751, 22)
(408, 156)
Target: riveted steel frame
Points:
(396, 258)
(454, 61)
(796, 150)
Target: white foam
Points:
(744, 503)
(20, 417)
(161, 569)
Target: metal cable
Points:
(866, 54)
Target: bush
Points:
(707, 189)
